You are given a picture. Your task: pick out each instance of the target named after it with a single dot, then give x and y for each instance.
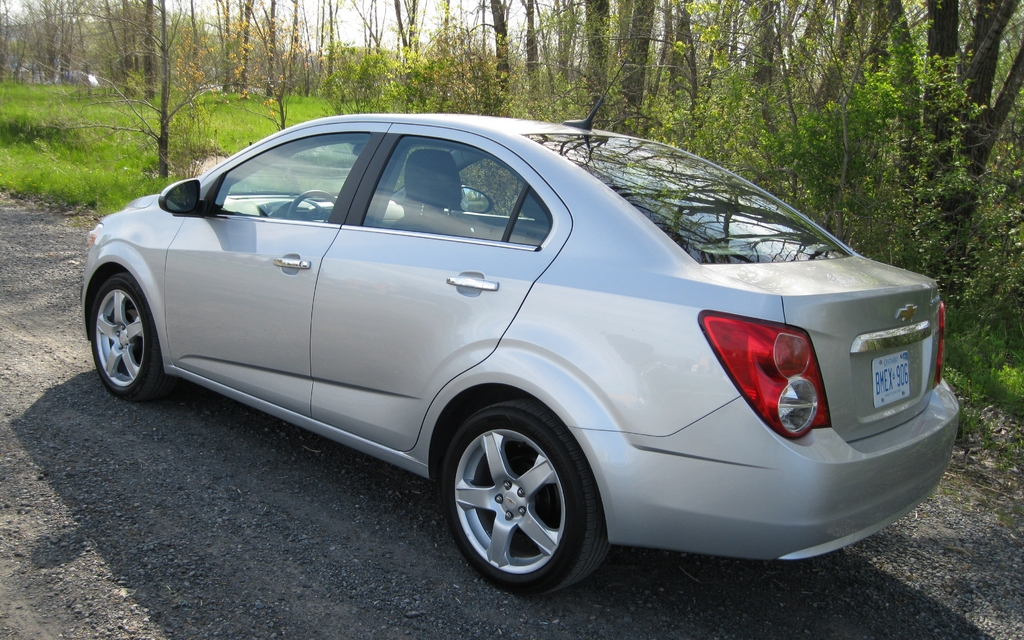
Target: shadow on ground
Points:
(224, 521)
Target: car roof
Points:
(490, 126)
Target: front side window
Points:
(448, 188)
(298, 180)
(711, 214)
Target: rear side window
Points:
(448, 188)
(713, 215)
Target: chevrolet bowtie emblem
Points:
(907, 313)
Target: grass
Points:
(54, 145)
(985, 364)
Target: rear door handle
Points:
(292, 263)
(473, 283)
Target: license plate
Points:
(890, 377)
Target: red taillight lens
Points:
(774, 368)
(792, 354)
(940, 339)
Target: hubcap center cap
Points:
(512, 501)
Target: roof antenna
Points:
(588, 123)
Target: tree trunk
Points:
(943, 47)
(979, 78)
(163, 141)
(403, 38)
(764, 63)
(683, 63)
(271, 70)
(597, 45)
(531, 39)
(224, 31)
(638, 50)
(148, 46)
(498, 15)
(242, 72)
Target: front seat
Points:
(431, 178)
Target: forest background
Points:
(897, 126)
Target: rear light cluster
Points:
(940, 341)
(774, 367)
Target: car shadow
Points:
(221, 519)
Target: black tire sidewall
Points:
(508, 418)
(129, 286)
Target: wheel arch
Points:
(99, 276)
(122, 258)
(464, 404)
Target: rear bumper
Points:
(727, 485)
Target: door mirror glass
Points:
(475, 201)
(181, 198)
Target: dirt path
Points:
(197, 517)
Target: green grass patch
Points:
(57, 143)
(985, 364)
(985, 360)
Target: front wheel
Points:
(521, 500)
(124, 342)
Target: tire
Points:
(536, 524)
(125, 346)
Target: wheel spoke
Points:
(475, 497)
(135, 328)
(115, 356)
(119, 300)
(541, 474)
(496, 457)
(545, 539)
(501, 540)
(106, 328)
(129, 364)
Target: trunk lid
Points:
(865, 319)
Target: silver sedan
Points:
(586, 338)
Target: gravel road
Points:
(195, 516)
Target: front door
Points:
(240, 283)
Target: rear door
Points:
(439, 252)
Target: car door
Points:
(240, 282)
(437, 255)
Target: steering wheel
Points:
(293, 208)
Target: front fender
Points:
(135, 242)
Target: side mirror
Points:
(475, 201)
(181, 198)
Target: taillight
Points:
(940, 339)
(774, 368)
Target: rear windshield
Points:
(713, 215)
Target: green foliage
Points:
(449, 76)
(191, 143)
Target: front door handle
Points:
(473, 283)
(292, 263)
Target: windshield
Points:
(713, 215)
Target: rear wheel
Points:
(521, 500)
(125, 347)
